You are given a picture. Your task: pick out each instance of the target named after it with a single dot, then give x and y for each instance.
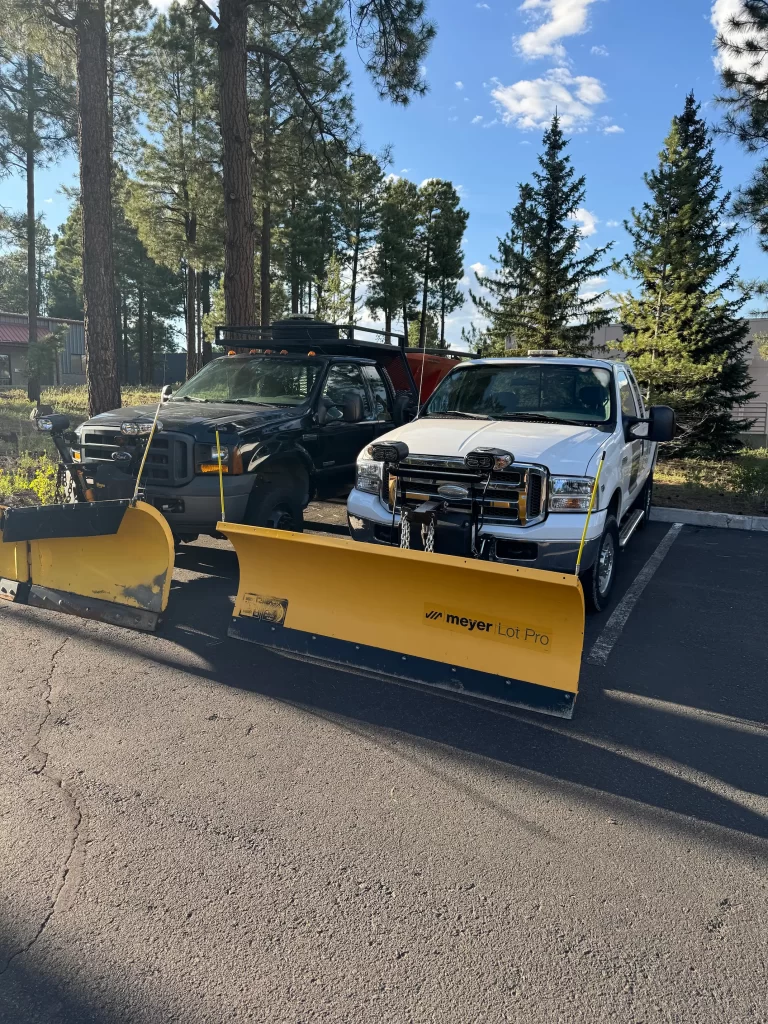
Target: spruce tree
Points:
(684, 336)
(543, 263)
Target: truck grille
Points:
(514, 497)
(169, 461)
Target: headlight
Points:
(370, 474)
(207, 459)
(134, 427)
(570, 493)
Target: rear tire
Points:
(277, 504)
(598, 580)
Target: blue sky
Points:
(617, 69)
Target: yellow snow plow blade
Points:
(107, 560)
(488, 630)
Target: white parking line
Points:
(603, 646)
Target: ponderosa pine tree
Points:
(543, 264)
(362, 187)
(683, 332)
(173, 200)
(743, 49)
(441, 231)
(36, 126)
(393, 39)
(392, 277)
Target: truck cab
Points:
(502, 459)
(292, 406)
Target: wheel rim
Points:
(605, 563)
(280, 518)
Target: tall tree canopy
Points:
(684, 335)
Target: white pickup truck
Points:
(500, 464)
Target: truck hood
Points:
(198, 418)
(561, 448)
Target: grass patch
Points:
(28, 458)
(738, 486)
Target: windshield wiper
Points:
(188, 398)
(242, 401)
(541, 418)
(451, 415)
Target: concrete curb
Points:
(719, 520)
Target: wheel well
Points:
(291, 467)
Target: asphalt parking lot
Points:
(197, 830)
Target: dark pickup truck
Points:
(291, 423)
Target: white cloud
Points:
(477, 119)
(392, 177)
(459, 85)
(587, 221)
(613, 129)
(599, 51)
(482, 7)
(596, 281)
(426, 182)
(613, 223)
(480, 269)
(531, 103)
(721, 13)
(404, 170)
(454, 118)
(557, 20)
(47, 200)
(490, 124)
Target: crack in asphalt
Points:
(38, 759)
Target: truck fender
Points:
(269, 458)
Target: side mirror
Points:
(327, 412)
(660, 425)
(402, 410)
(166, 393)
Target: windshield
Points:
(259, 381)
(526, 391)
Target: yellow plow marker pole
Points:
(86, 575)
(221, 476)
(592, 499)
(146, 452)
(502, 632)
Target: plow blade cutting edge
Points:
(107, 560)
(500, 632)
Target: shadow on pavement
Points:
(630, 749)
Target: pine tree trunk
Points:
(205, 310)
(424, 297)
(140, 336)
(150, 348)
(405, 322)
(125, 340)
(353, 288)
(33, 369)
(95, 199)
(442, 314)
(266, 210)
(239, 288)
(199, 324)
(388, 324)
(191, 333)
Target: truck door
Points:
(381, 399)
(632, 454)
(649, 448)
(341, 440)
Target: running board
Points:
(630, 526)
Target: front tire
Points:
(275, 504)
(598, 580)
